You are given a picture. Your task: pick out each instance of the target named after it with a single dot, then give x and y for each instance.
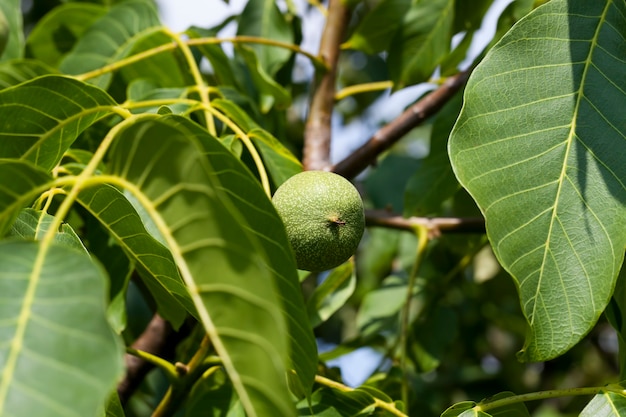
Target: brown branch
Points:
(435, 225)
(159, 338)
(393, 131)
(317, 133)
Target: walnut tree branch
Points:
(396, 129)
(435, 225)
(159, 338)
(317, 133)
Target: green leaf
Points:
(235, 113)
(379, 309)
(278, 160)
(33, 224)
(11, 30)
(56, 33)
(27, 181)
(58, 355)
(375, 31)
(458, 409)
(606, 404)
(327, 402)
(331, 294)
(114, 407)
(220, 62)
(20, 70)
(43, 117)
(212, 397)
(129, 26)
(270, 92)
(263, 19)
(538, 145)
(143, 90)
(432, 338)
(616, 316)
(153, 261)
(434, 181)
(225, 268)
(421, 42)
(263, 222)
(468, 16)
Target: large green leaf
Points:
(58, 355)
(57, 32)
(225, 267)
(421, 42)
(153, 261)
(606, 404)
(26, 182)
(43, 117)
(539, 145)
(262, 221)
(263, 19)
(127, 28)
(11, 30)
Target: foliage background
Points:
(467, 324)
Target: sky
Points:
(178, 15)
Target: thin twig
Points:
(435, 225)
(389, 134)
(317, 134)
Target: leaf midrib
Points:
(571, 137)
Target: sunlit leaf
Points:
(226, 269)
(263, 19)
(127, 28)
(331, 294)
(33, 224)
(538, 145)
(606, 404)
(221, 64)
(422, 41)
(58, 355)
(43, 117)
(270, 92)
(56, 33)
(279, 161)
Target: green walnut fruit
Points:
(323, 216)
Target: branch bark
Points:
(385, 137)
(159, 338)
(317, 133)
(435, 225)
